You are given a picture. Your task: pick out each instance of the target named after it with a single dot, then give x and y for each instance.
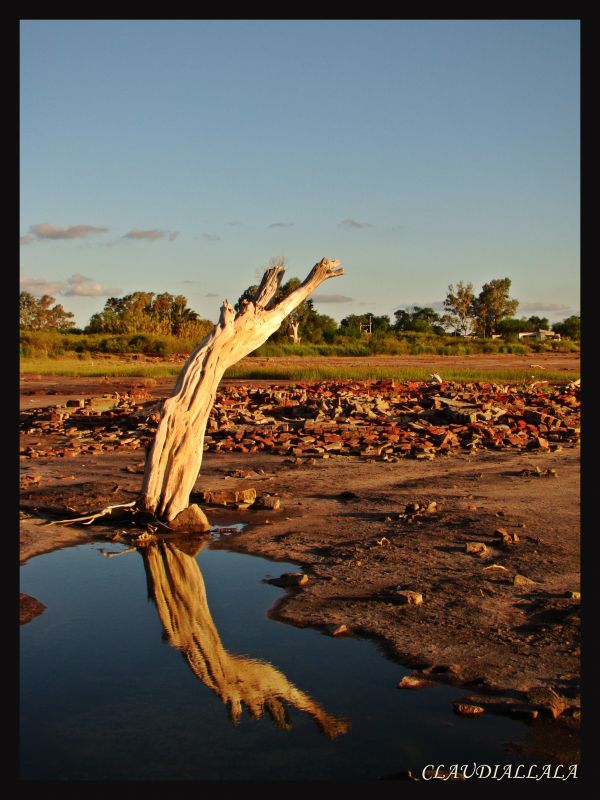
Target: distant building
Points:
(539, 335)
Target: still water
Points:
(163, 664)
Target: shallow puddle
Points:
(163, 664)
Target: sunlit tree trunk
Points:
(173, 461)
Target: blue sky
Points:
(182, 155)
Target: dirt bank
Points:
(503, 623)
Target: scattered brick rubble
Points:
(382, 420)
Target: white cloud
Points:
(437, 305)
(535, 306)
(75, 286)
(331, 298)
(40, 286)
(149, 235)
(45, 231)
(27, 239)
(80, 286)
(353, 223)
(281, 225)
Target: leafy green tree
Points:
(41, 315)
(569, 327)
(320, 328)
(28, 311)
(357, 324)
(459, 307)
(492, 305)
(403, 320)
(538, 323)
(143, 312)
(420, 319)
(510, 325)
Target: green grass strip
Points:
(73, 367)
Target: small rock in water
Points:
(337, 630)
(289, 579)
(413, 682)
(467, 710)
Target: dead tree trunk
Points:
(294, 327)
(173, 461)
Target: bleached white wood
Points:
(174, 458)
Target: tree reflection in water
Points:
(176, 585)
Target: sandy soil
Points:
(349, 523)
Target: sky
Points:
(182, 156)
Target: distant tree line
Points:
(42, 315)
(144, 312)
(140, 312)
(465, 314)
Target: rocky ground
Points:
(441, 519)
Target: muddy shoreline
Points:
(345, 522)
